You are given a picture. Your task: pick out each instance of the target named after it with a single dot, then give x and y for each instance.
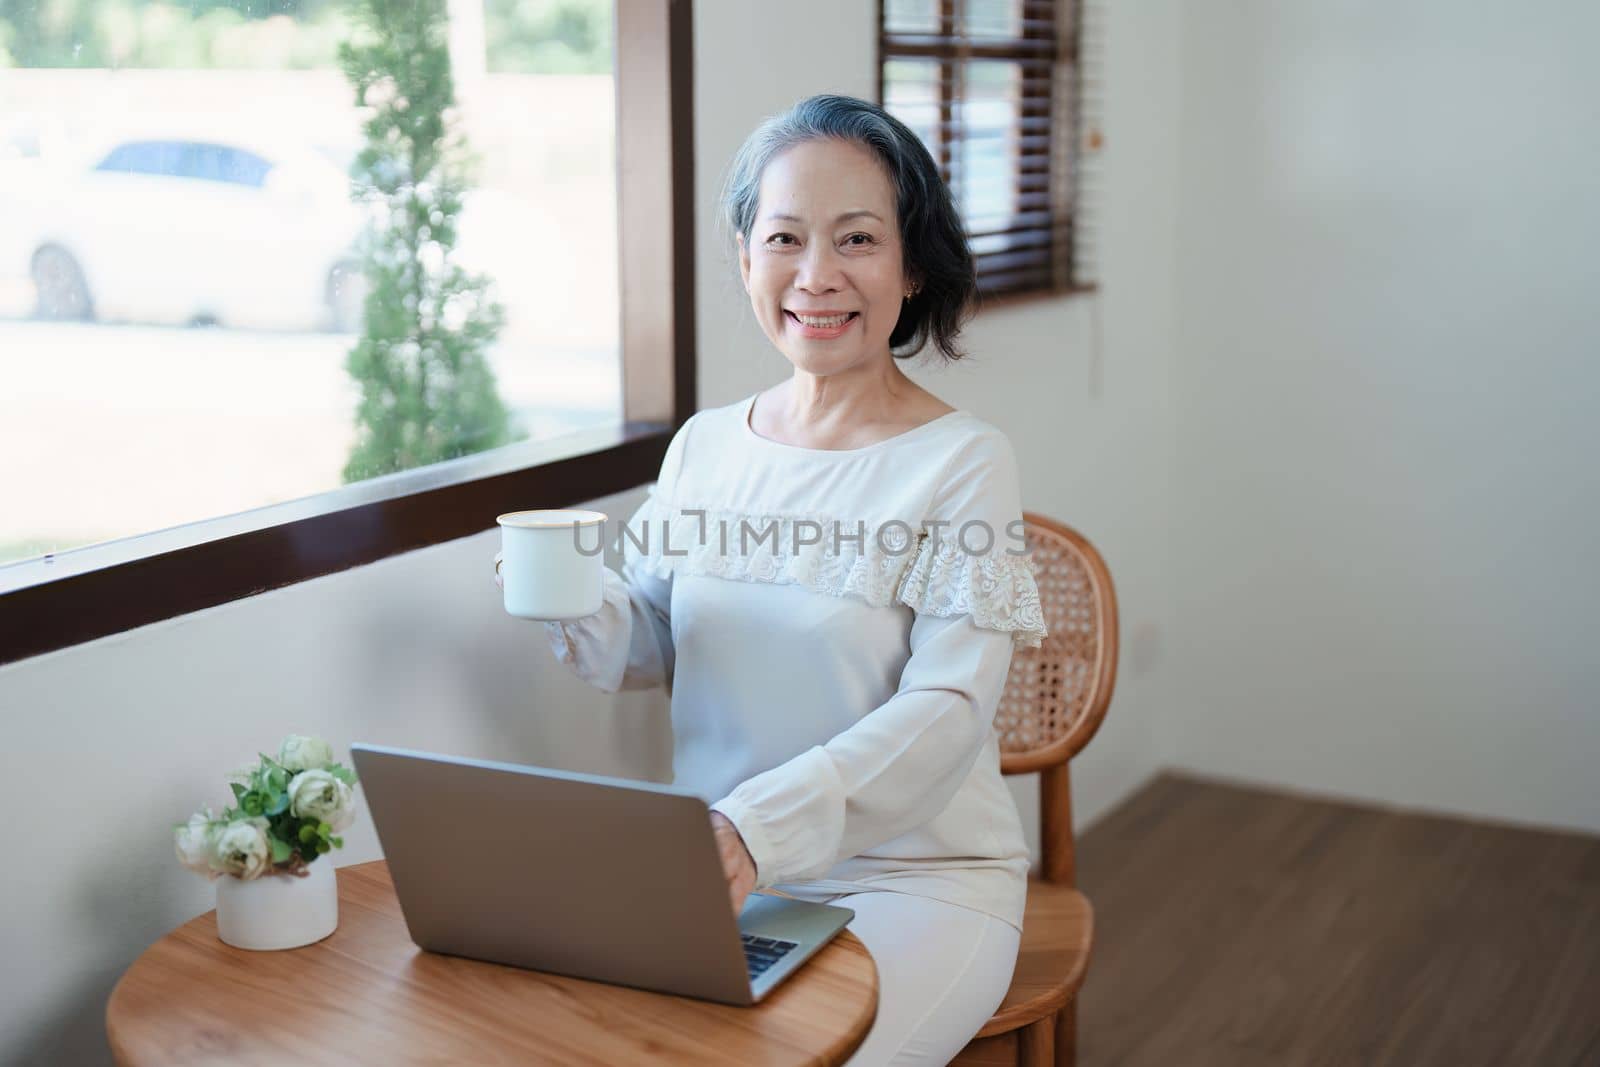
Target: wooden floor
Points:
(1240, 927)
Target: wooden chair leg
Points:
(1036, 1043)
(1067, 1035)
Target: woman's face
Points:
(825, 244)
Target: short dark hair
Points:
(937, 256)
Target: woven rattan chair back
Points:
(1057, 694)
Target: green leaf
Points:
(279, 805)
(323, 846)
(308, 833)
(344, 774)
(338, 842)
(238, 790)
(324, 829)
(280, 849)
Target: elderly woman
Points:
(832, 583)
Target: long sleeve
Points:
(903, 761)
(894, 770)
(628, 643)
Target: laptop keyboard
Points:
(761, 953)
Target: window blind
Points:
(995, 89)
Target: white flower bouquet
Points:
(287, 811)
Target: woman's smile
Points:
(821, 327)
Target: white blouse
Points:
(835, 629)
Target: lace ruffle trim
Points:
(997, 589)
(999, 592)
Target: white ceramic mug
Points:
(551, 563)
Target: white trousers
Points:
(942, 971)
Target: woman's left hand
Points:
(737, 866)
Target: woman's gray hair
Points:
(937, 257)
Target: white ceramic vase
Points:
(278, 910)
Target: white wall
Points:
(1387, 498)
(138, 728)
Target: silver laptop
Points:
(603, 878)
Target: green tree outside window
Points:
(427, 391)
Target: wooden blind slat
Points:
(1040, 54)
(992, 259)
(996, 233)
(1022, 281)
(1034, 34)
(1037, 11)
(1014, 260)
(1037, 196)
(999, 239)
(1026, 123)
(1027, 144)
(1001, 225)
(1006, 30)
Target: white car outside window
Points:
(166, 229)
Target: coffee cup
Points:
(551, 563)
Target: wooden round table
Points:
(368, 994)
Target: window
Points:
(219, 163)
(188, 318)
(143, 157)
(997, 91)
(184, 159)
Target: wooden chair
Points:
(1055, 699)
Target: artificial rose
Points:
(241, 848)
(319, 795)
(304, 753)
(195, 842)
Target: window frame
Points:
(64, 599)
(1068, 27)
